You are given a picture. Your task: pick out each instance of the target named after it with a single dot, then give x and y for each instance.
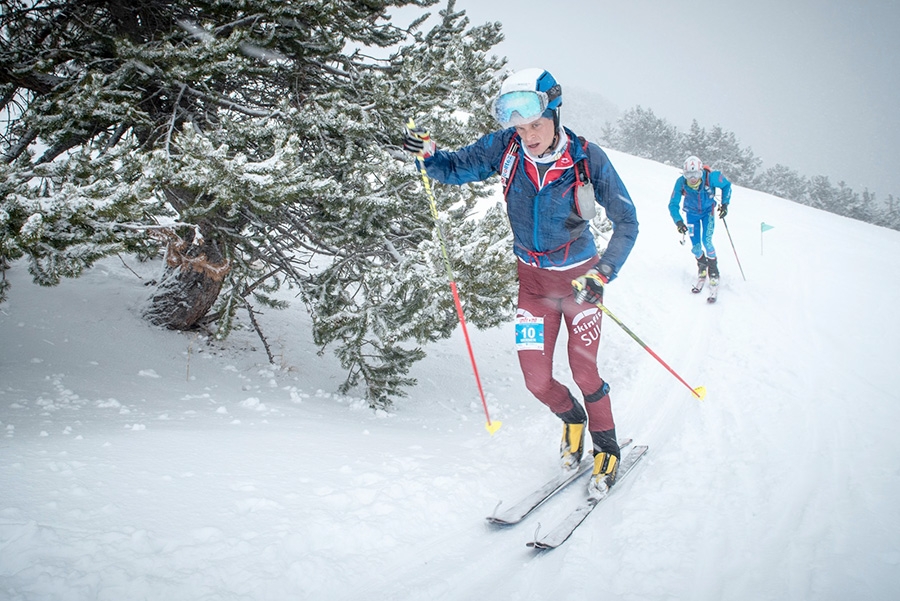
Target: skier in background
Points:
(549, 207)
(695, 190)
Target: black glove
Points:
(588, 288)
(723, 210)
(682, 228)
(418, 142)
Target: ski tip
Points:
(700, 392)
(492, 427)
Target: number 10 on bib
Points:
(529, 333)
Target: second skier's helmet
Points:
(693, 169)
(527, 95)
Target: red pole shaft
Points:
(697, 392)
(666, 365)
(462, 322)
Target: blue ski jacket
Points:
(701, 201)
(547, 229)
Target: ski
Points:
(698, 285)
(713, 291)
(564, 529)
(517, 512)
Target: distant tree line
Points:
(643, 134)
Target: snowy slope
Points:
(143, 464)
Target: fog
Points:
(810, 85)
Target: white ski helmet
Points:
(692, 166)
(525, 96)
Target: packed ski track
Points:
(137, 463)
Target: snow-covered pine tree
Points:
(782, 181)
(721, 150)
(821, 194)
(258, 142)
(854, 205)
(890, 215)
(641, 133)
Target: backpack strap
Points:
(582, 167)
(508, 163)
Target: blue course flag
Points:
(763, 226)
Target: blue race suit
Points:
(699, 206)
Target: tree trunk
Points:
(190, 284)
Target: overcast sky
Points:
(811, 84)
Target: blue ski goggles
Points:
(519, 108)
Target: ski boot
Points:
(702, 263)
(713, 266)
(572, 447)
(606, 463)
(604, 475)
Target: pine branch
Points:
(228, 104)
(258, 330)
(25, 140)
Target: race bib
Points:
(529, 333)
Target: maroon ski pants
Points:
(547, 294)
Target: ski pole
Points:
(734, 249)
(699, 392)
(489, 425)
